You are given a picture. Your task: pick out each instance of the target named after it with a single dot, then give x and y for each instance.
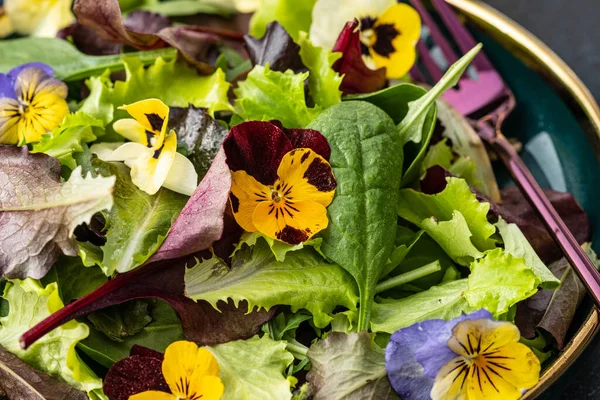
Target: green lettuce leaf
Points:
(350, 367)
(279, 249)
(444, 301)
(98, 104)
(405, 240)
(164, 329)
(367, 163)
(518, 246)
(323, 82)
(122, 321)
(459, 166)
(498, 281)
(173, 82)
(253, 369)
(303, 280)
(295, 16)
(449, 216)
(138, 222)
(67, 139)
(266, 95)
(74, 280)
(54, 353)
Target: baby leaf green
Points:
(367, 163)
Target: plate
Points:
(558, 122)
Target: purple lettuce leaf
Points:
(358, 78)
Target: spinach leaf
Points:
(138, 223)
(367, 163)
(73, 278)
(68, 63)
(122, 321)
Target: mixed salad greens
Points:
(188, 211)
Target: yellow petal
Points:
(153, 395)
(211, 388)
(450, 382)
(104, 150)
(153, 114)
(6, 27)
(132, 130)
(182, 177)
(397, 31)
(306, 176)
(482, 335)
(290, 222)
(246, 194)
(39, 18)
(53, 20)
(123, 152)
(186, 366)
(149, 172)
(483, 384)
(516, 363)
(9, 120)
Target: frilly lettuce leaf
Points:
(253, 369)
(38, 212)
(138, 223)
(450, 215)
(498, 281)
(323, 82)
(67, 139)
(517, 245)
(279, 249)
(173, 82)
(460, 166)
(303, 280)
(267, 95)
(295, 16)
(348, 366)
(54, 353)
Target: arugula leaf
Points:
(259, 97)
(138, 223)
(445, 301)
(303, 280)
(253, 369)
(20, 381)
(295, 16)
(67, 62)
(405, 240)
(38, 212)
(122, 321)
(163, 329)
(348, 366)
(498, 281)
(173, 82)
(285, 324)
(74, 280)
(55, 353)
(367, 163)
(279, 249)
(451, 215)
(517, 245)
(323, 82)
(67, 139)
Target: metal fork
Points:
(486, 102)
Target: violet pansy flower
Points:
(469, 357)
(32, 102)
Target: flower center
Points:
(276, 196)
(24, 107)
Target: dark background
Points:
(572, 29)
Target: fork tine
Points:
(461, 35)
(436, 34)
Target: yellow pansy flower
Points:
(490, 363)
(192, 373)
(152, 153)
(293, 208)
(36, 17)
(32, 103)
(389, 31)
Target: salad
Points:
(197, 203)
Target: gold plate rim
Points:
(536, 54)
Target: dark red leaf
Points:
(358, 78)
(277, 48)
(146, 22)
(133, 375)
(88, 41)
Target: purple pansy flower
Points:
(467, 357)
(32, 102)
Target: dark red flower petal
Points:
(257, 148)
(358, 78)
(309, 138)
(132, 375)
(137, 350)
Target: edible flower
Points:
(281, 180)
(32, 103)
(192, 373)
(35, 17)
(389, 31)
(151, 153)
(469, 357)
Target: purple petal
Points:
(415, 354)
(46, 68)
(7, 86)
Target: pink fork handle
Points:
(576, 256)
